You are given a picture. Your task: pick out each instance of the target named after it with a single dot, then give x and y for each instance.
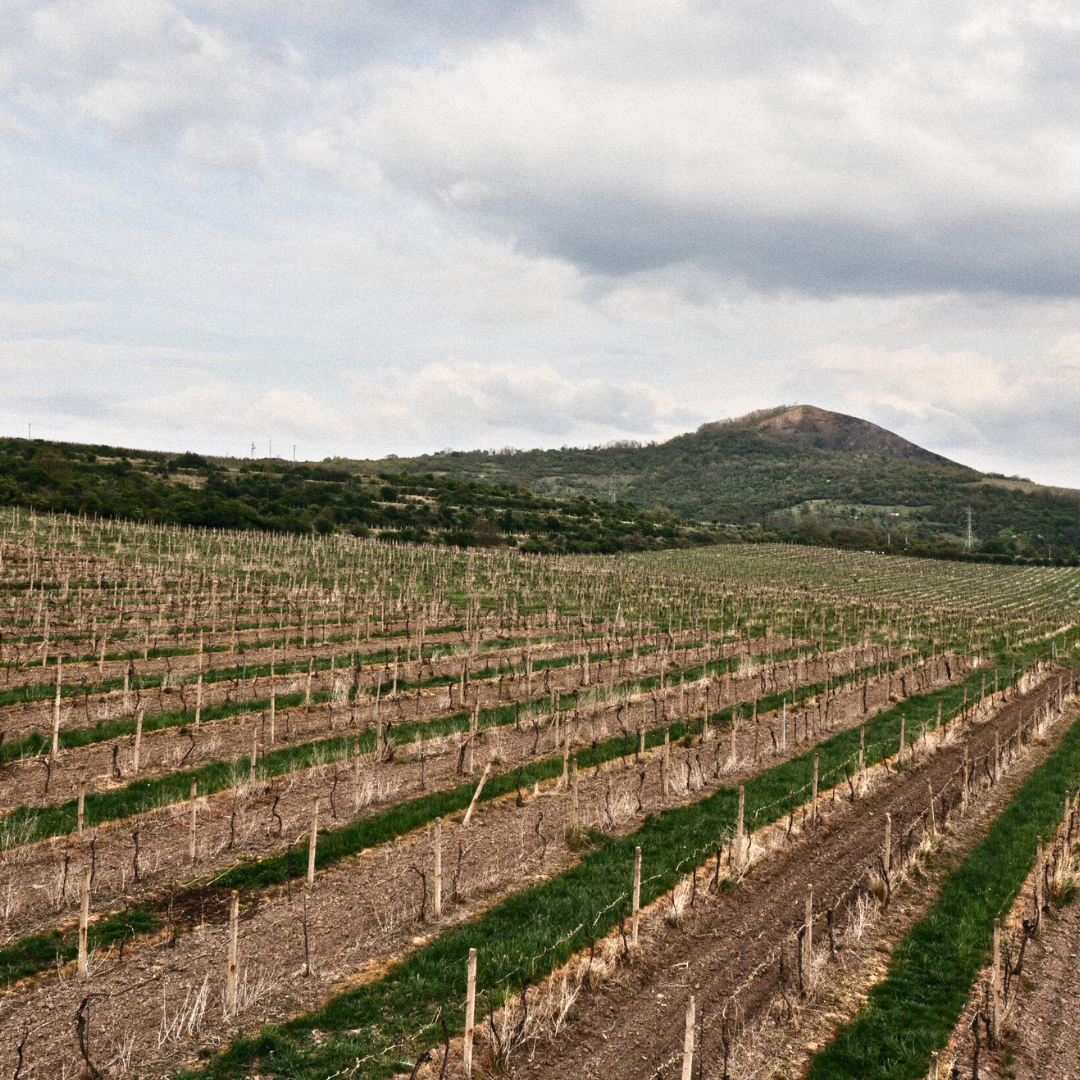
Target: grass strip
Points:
(30, 955)
(527, 935)
(29, 824)
(36, 742)
(911, 1013)
(45, 690)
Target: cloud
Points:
(859, 150)
(1011, 415)
(474, 404)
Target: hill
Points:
(188, 489)
(799, 473)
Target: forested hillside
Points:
(803, 474)
(188, 489)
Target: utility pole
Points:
(253, 451)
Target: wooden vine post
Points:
(273, 701)
(636, 899)
(191, 824)
(886, 855)
(995, 984)
(665, 766)
(470, 1012)
(231, 974)
(313, 840)
(56, 710)
(688, 1042)
(138, 742)
(575, 820)
(808, 935)
(814, 794)
(437, 900)
(739, 827)
(84, 921)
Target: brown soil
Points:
(1044, 1040)
(35, 891)
(361, 914)
(24, 782)
(635, 1029)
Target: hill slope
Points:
(187, 489)
(800, 473)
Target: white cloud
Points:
(456, 403)
(538, 221)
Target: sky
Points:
(362, 227)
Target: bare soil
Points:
(635, 1030)
(39, 882)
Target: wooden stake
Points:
(474, 725)
(900, 755)
(191, 826)
(1038, 880)
(739, 843)
(574, 819)
(688, 1043)
(138, 741)
(808, 935)
(84, 921)
(198, 699)
(312, 842)
(56, 710)
(254, 753)
(995, 981)
(234, 931)
(82, 807)
(665, 779)
(933, 820)
(476, 793)
(273, 703)
(356, 775)
(813, 793)
(886, 857)
(438, 868)
(636, 901)
(470, 1012)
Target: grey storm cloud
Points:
(823, 150)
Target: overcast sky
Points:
(374, 226)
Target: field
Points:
(261, 795)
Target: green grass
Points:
(336, 844)
(27, 824)
(530, 933)
(36, 743)
(911, 1012)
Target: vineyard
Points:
(320, 805)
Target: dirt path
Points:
(1046, 1041)
(631, 1031)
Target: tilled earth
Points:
(362, 913)
(636, 1030)
(29, 781)
(35, 888)
(1045, 1043)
